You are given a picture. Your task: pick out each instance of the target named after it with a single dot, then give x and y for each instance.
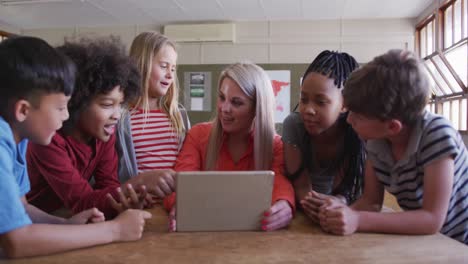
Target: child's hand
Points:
(311, 204)
(338, 219)
(309, 210)
(172, 220)
(130, 199)
(314, 200)
(151, 201)
(160, 182)
(279, 216)
(129, 225)
(92, 215)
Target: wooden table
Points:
(302, 242)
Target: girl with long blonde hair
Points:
(152, 131)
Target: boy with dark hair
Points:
(413, 154)
(36, 82)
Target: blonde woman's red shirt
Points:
(192, 157)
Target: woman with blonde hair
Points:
(241, 137)
(151, 133)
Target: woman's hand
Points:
(172, 220)
(279, 216)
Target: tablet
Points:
(222, 200)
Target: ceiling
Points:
(84, 13)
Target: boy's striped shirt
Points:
(433, 138)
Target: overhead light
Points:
(28, 2)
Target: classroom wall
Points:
(9, 28)
(56, 36)
(271, 41)
(300, 41)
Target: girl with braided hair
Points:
(323, 155)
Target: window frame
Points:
(440, 50)
(419, 28)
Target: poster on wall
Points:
(197, 91)
(281, 82)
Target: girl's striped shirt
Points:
(156, 143)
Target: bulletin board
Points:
(197, 91)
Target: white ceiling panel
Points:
(201, 10)
(189, 4)
(55, 14)
(317, 10)
(243, 10)
(126, 12)
(240, 4)
(384, 9)
(162, 16)
(151, 4)
(204, 14)
(280, 9)
(72, 13)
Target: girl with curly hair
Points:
(84, 148)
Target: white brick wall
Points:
(272, 42)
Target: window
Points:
(456, 57)
(454, 20)
(442, 42)
(426, 36)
